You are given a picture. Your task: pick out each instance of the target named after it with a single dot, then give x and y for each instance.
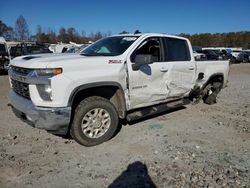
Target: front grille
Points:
(21, 88)
(20, 70)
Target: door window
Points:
(176, 50)
(150, 46)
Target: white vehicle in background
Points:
(119, 77)
(76, 49)
(4, 55)
(199, 56)
(72, 47)
(237, 54)
(60, 47)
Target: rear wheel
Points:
(95, 121)
(210, 92)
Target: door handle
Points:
(164, 69)
(191, 68)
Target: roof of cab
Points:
(151, 34)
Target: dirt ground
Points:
(195, 146)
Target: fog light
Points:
(45, 91)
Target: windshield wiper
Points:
(103, 54)
(89, 54)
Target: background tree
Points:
(62, 35)
(39, 34)
(21, 28)
(52, 39)
(73, 35)
(6, 31)
(98, 36)
(231, 39)
(65, 35)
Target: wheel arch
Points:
(112, 91)
(219, 77)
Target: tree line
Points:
(231, 39)
(21, 32)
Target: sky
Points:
(161, 16)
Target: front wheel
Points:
(95, 121)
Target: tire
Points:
(95, 121)
(210, 92)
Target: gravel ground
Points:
(195, 146)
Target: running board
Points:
(156, 109)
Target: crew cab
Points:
(119, 77)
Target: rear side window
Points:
(176, 50)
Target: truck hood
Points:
(43, 60)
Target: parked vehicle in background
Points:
(227, 54)
(224, 53)
(4, 55)
(246, 56)
(70, 47)
(199, 56)
(60, 47)
(73, 50)
(238, 56)
(26, 49)
(76, 49)
(211, 54)
(118, 77)
(248, 52)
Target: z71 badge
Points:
(114, 61)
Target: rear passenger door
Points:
(181, 70)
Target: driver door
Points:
(147, 86)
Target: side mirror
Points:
(142, 60)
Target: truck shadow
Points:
(136, 175)
(125, 122)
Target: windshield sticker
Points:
(114, 61)
(129, 38)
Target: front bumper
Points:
(54, 120)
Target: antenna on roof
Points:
(137, 32)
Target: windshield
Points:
(110, 46)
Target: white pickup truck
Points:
(118, 77)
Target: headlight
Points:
(48, 72)
(43, 84)
(45, 91)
